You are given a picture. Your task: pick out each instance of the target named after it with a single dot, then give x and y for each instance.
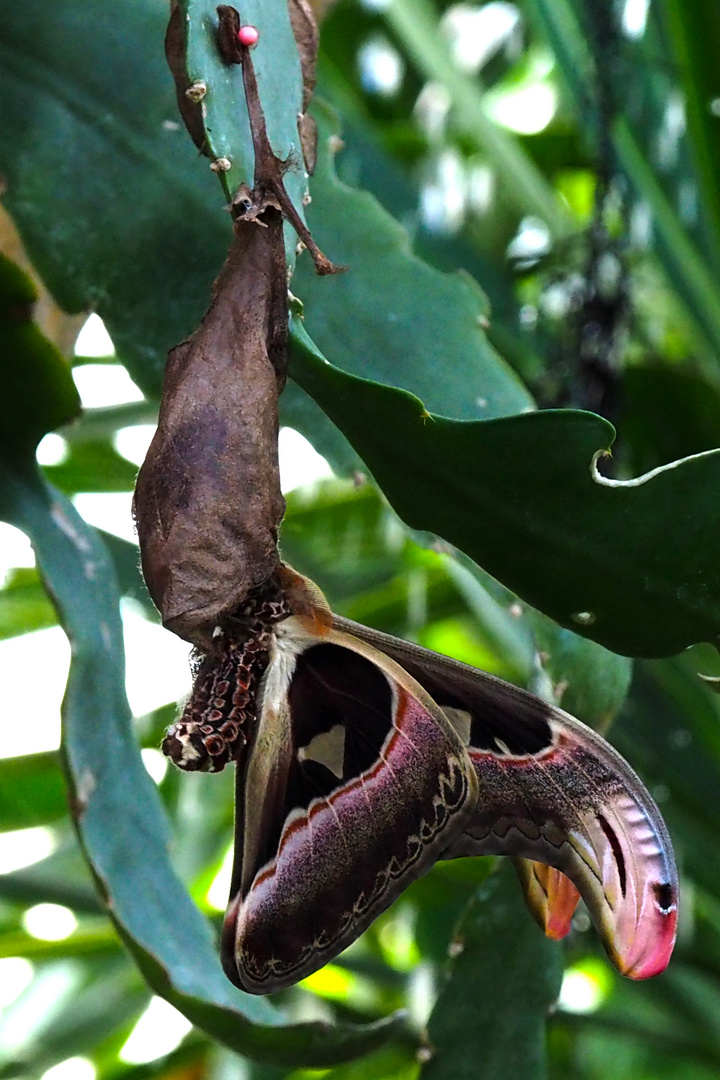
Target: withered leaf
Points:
(190, 109)
(306, 36)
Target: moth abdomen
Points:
(220, 716)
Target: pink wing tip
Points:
(652, 948)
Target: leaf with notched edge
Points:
(521, 495)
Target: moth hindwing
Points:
(553, 791)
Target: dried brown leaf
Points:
(188, 104)
(307, 38)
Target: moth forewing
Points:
(580, 809)
(354, 828)
(552, 790)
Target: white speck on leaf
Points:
(60, 519)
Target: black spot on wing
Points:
(664, 895)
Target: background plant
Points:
(596, 237)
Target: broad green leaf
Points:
(28, 359)
(591, 682)
(670, 411)
(129, 151)
(391, 317)
(489, 1020)
(117, 811)
(441, 898)
(167, 216)
(366, 163)
(520, 495)
(500, 614)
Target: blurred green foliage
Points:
(593, 228)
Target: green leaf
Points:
(489, 1020)
(588, 680)
(613, 561)
(415, 23)
(31, 791)
(24, 605)
(117, 811)
(391, 317)
(669, 412)
(223, 117)
(92, 466)
(105, 119)
(640, 83)
(166, 217)
(441, 898)
(28, 359)
(593, 682)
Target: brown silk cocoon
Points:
(208, 502)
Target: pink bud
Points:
(248, 35)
